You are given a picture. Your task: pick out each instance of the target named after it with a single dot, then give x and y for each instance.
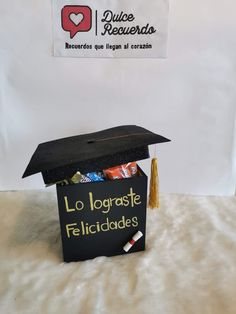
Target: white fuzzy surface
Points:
(189, 265)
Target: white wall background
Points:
(189, 97)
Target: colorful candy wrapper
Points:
(95, 176)
(84, 179)
(77, 178)
(123, 171)
(133, 168)
(113, 173)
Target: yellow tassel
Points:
(154, 186)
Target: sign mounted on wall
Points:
(110, 29)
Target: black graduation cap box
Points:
(97, 218)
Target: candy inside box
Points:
(98, 218)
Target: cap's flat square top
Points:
(71, 151)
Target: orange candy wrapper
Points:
(120, 172)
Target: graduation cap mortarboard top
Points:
(62, 158)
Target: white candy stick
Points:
(131, 242)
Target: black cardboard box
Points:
(99, 218)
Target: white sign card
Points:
(108, 29)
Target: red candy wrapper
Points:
(133, 168)
(120, 172)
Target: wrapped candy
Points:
(95, 176)
(122, 171)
